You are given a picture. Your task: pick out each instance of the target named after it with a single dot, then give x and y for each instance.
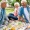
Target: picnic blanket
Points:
(15, 25)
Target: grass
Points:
(9, 10)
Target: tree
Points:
(0, 0)
(18, 1)
(29, 2)
(11, 2)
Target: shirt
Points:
(3, 16)
(2, 13)
(24, 12)
(16, 11)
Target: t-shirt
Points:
(16, 11)
(26, 13)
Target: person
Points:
(15, 14)
(23, 13)
(3, 13)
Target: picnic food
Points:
(5, 28)
(14, 25)
(13, 28)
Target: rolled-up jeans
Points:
(11, 15)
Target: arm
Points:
(15, 12)
(20, 19)
(20, 15)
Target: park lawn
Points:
(9, 10)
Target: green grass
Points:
(9, 10)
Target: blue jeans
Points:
(12, 16)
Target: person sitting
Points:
(15, 14)
(3, 13)
(23, 13)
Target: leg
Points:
(13, 17)
(11, 14)
(27, 21)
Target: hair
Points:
(17, 4)
(23, 1)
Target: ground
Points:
(9, 10)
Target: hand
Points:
(28, 27)
(22, 20)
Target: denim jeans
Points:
(12, 16)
